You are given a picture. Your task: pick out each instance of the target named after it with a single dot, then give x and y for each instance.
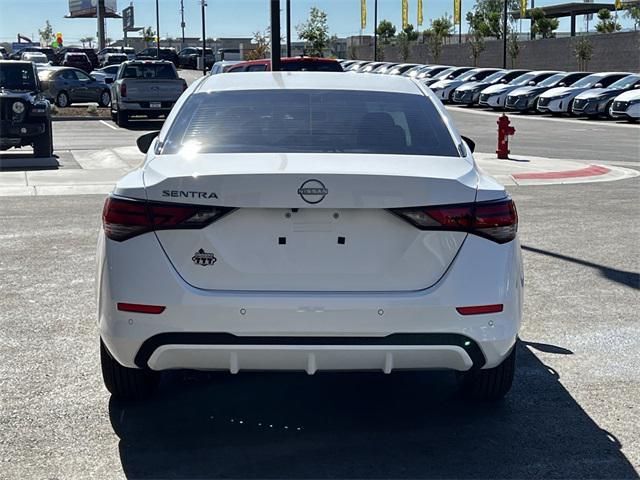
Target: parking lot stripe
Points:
(113, 127)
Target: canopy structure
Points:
(573, 9)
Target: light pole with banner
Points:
(157, 30)
(275, 35)
(203, 4)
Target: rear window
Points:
(318, 121)
(311, 66)
(149, 71)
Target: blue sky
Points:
(225, 18)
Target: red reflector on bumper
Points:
(134, 307)
(480, 309)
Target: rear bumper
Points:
(235, 331)
(145, 107)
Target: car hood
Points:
(599, 93)
(447, 83)
(555, 92)
(5, 93)
(525, 90)
(473, 86)
(628, 96)
(500, 88)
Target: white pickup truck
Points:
(144, 87)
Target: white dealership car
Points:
(627, 105)
(308, 221)
(495, 96)
(560, 99)
(444, 88)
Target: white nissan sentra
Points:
(311, 222)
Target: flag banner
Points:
(420, 14)
(457, 7)
(363, 14)
(523, 8)
(405, 13)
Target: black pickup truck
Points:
(25, 115)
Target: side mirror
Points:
(144, 141)
(597, 85)
(531, 83)
(472, 79)
(108, 80)
(562, 84)
(637, 85)
(503, 81)
(470, 143)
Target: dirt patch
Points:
(82, 112)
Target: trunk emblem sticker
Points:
(313, 191)
(203, 258)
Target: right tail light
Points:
(495, 220)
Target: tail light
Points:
(123, 89)
(496, 220)
(123, 219)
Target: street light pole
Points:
(182, 24)
(375, 31)
(275, 36)
(203, 3)
(157, 30)
(504, 36)
(288, 28)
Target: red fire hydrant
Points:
(504, 132)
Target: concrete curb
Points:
(73, 119)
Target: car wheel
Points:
(122, 118)
(607, 110)
(62, 100)
(490, 384)
(570, 109)
(123, 382)
(43, 144)
(105, 99)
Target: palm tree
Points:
(90, 41)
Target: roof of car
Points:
(290, 60)
(307, 80)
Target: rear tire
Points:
(123, 382)
(105, 98)
(62, 100)
(122, 118)
(491, 384)
(43, 144)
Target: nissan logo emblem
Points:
(313, 191)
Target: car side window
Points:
(257, 68)
(611, 79)
(69, 75)
(83, 77)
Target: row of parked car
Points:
(610, 94)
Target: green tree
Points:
(606, 23)
(84, 41)
(634, 14)
(404, 46)
(315, 32)
(386, 31)
(90, 41)
(513, 47)
(148, 35)
(410, 32)
(582, 50)
(475, 38)
(489, 14)
(46, 34)
(261, 49)
(434, 37)
(542, 25)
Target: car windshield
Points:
(444, 73)
(494, 77)
(149, 71)
(316, 121)
(588, 81)
(468, 75)
(523, 79)
(17, 77)
(552, 80)
(626, 82)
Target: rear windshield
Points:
(311, 66)
(318, 121)
(17, 76)
(149, 71)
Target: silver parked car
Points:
(145, 87)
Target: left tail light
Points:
(496, 220)
(123, 219)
